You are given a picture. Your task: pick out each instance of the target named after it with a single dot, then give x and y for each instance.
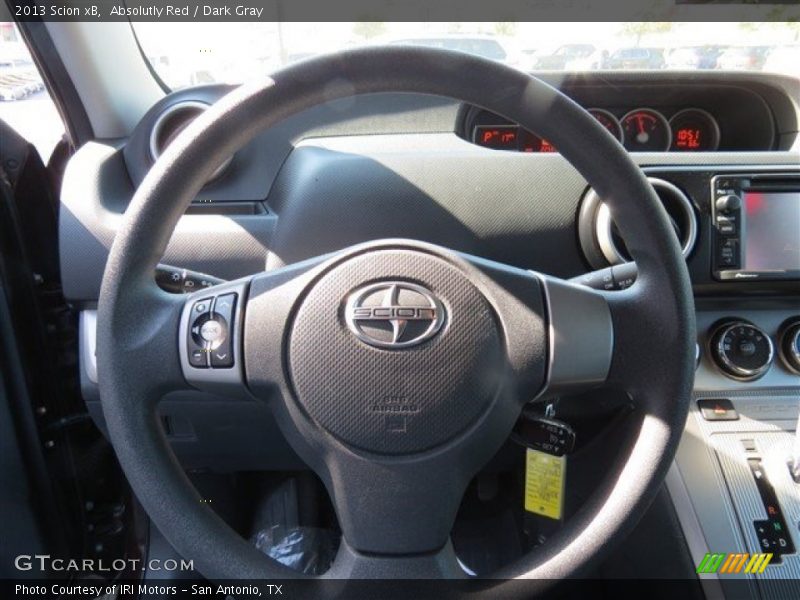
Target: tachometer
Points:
(694, 130)
(608, 121)
(646, 130)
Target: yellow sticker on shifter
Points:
(544, 483)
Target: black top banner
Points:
(398, 10)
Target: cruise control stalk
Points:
(618, 277)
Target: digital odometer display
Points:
(771, 231)
(694, 130)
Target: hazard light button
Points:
(717, 409)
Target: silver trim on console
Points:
(794, 348)
(730, 368)
(604, 223)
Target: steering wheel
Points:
(395, 368)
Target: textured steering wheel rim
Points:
(128, 291)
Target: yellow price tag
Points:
(544, 483)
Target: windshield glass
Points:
(194, 53)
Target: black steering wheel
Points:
(395, 368)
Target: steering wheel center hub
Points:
(395, 351)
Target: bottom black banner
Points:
(88, 589)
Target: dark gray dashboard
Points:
(404, 152)
(756, 112)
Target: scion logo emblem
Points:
(393, 314)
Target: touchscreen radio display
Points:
(771, 232)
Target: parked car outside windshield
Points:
(190, 53)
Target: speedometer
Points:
(646, 130)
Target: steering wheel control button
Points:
(196, 345)
(209, 342)
(741, 350)
(212, 331)
(216, 335)
(198, 358)
(202, 306)
(717, 409)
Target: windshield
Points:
(193, 53)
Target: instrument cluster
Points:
(638, 130)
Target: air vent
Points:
(606, 238)
(171, 122)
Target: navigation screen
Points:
(771, 231)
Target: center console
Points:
(737, 498)
(732, 482)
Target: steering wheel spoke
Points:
(580, 337)
(393, 508)
(143, 324)
(353, 565)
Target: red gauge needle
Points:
(639, 119)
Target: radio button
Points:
(726, 226)
(728, 203)
(728, 252)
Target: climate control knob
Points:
(741, 350)
(790, 344)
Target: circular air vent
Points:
(605, 239)
(171, 122)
